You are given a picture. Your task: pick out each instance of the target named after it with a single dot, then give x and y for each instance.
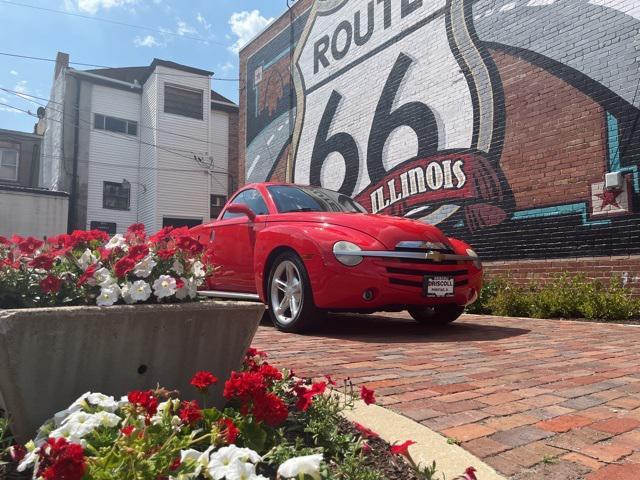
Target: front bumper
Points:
(395, 278)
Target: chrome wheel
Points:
(286, 292)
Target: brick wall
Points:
(497, 120)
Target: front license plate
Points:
(438, 286)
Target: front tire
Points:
(436, 315)
(289, 295)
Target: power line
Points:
(105, 67)
(23, 95)
(205, 168)
(114, 22)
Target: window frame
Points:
(100, 123)
(222, 199)
(183, 112)
(104, 196)
(16, 166)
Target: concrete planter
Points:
(50, 356)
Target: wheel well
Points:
(269, 263)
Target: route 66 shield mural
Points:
(398, 106)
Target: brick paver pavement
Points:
(533, 398)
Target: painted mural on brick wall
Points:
(495, 119)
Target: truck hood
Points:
(388, 230)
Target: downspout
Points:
(73, 196)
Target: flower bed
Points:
(274, 426)
(89, 268)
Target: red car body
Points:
(244, 247)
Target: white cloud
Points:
(203, 21)
(227, 67)
(146, 41)
(246, 25)
(21, 88)
(92, 6)
(14, 73)
(184, 29)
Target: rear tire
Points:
(436, 315)
(289, 295)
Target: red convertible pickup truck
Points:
(304, 251)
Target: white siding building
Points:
(139, 144)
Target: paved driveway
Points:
(533, 398)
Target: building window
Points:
(217, 202)
(182, 101)
(116, 196)
(113, 124)
(9, 164)
(107, 227)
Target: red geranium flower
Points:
(243, 385)
(189, 244)
(161, 236)
(43, 261)
(228, 430)
(202, 380)
(402, 449)
(144, 399)
(469, 474)
(88, 274)
(17, 453)
(270, 372)
(138, 252)
(330, 380)
(50, 284)
(4, 241)
(270, 409)
(175, 464)
(166, 253)
(29, 245)
(190, 412)
(61, 460)
(305, 395)
(367, 395)
(364, 431)
(124, 266)
(127, 431)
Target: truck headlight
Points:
(344, 253)
(477, 263)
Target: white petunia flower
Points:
(300, 466)
(144, 267)
(221, 462)
(108, 295)
(140, 291)
(198, 269)
(189, 289)
(177, 267)
(242, 471)
(117, 241)
(125, 291)
(164, 286)
(103, 277)
(107, 419)
(199, 459)
(86, 259)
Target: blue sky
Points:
(221, 26)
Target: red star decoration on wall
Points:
(609, 197)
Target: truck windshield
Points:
(294, 198)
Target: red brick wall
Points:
(597, 268)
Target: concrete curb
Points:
(451, 460)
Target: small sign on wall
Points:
(610, 202)
(107, 227)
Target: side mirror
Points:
(242, 209)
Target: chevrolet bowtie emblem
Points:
(435, 256)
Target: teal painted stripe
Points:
(613, 132)
(570, 209)
(636, 176)
(276, 58)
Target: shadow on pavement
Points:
(387, 329)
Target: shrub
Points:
(566, 296)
